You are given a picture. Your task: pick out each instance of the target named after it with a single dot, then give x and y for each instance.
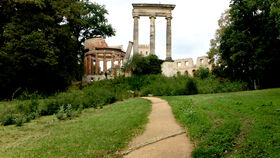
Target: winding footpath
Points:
(163, 137)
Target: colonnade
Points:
(92, 64)
(153, 11)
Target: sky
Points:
(194, 24)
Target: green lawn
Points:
(239, 124)
(96, 133)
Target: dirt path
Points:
(163, 138)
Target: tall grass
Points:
(104, 92)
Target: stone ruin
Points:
(98, 51)
(144, 49)
(187, 66)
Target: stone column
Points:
(89, 65)
(96, 64)
(86, 65)
(119, 63)
(104, 65)
(168, 39)
(113, 66)
(152, 35)
(136, 34)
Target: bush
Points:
(202, 73)
(140, 65)
(98, 94)
(191, 87)
(213, 85)
(67, 112)
(49, 107)
(19, 120)
(25, 95)
(28, 106)
(9, 119)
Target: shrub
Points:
(25, 95)
(67, 112)
(28, 106)
(202, 73)
(60, 114)
(140, 65)
(9, 119)
(49, 107)
(19, 120)
(98, 94)
(191, 87)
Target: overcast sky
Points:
(193, 25)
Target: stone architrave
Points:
(153, 11)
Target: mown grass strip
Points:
(240, 124)
(96, 133)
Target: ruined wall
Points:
(144, 50)
(185, 66)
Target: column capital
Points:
(152, 17)
(136, 17)
(168, 17)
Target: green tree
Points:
(250, 45)
(42, 41)
(202, 73)
(213, 54)
(140, 65)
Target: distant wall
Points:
(144, 50)
(185, 66)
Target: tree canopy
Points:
(249, 45)
(140, 65)
(41, 42)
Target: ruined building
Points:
(187, 66)
(98, 54)
(144, 49)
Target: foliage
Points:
(101, 93)
(140, 65)
(191, 87)
(202, 73)
(249, 46)
(213, 85)
(9, 119)
(41, 43)
(67, 112)
(96, 133)
(231, 124)
(213, 54)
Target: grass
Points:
(98, 94)
(238, 124)
(96, 133)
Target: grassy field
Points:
(238, 124)
(96, 133)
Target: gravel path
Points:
(163, 138)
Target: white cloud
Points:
(193, 25)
